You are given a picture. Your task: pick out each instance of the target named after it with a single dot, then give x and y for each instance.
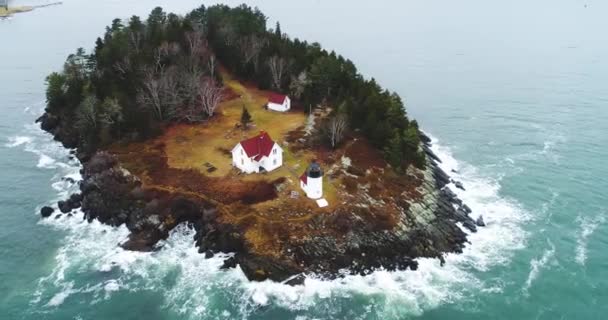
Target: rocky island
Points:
(154, 114)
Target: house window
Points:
(274, 151)
(241, 151)
(242, 161)
(274, 162)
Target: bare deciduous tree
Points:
(211, 64)
(335, 129)
(86, 115)
(207, 95)
(278, 67)
(123, 66)
(135, 40)
(250, 48)
(210, 95)
(165, 50)
(226, 32)
(149, 94)
(198, 51)
(298, 84)
(160, 93)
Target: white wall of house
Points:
(274, 160)
(241, 161)
(249, 165)
(280, 107)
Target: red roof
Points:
(258, 146)
(304, 178)
(277, 98)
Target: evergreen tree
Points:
(245, 118)
(277, 31)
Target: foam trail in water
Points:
(588, 226)
(536, 265)
(198, 284)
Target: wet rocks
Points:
(46, 211)
(479, 222)
(73, 202)
(459, 185)
(64, 207)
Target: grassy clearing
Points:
(191, 146)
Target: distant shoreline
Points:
(5, 13)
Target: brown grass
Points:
(261, 205)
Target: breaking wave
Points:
(91, 267)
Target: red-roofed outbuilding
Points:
(279, 102)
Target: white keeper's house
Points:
(279, 102)
(257, 154)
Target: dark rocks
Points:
(73, 202)
(260, 268)
(69, 180)
(479, 222)
(296, 281)
(448, 193)
(459, 185)
(441, 178)
(229, 263)
(64, 207)
(46, 211)
(209, 254)
(48, 122)
(466, 209)
(144, 241)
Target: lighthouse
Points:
(312, 181)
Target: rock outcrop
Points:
(427, 226)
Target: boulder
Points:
(459, 185)
(479, 222)
(209, 254)
(64, 206)
(46, 211)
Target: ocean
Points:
(514, 94)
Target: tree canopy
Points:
(145, 73)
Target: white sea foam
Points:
(17, 141)
(588, 225)
(198, 285)
(60, 297)
(537, 265)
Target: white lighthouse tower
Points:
(312, 181)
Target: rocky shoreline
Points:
(427, 227)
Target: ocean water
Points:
(515, 95)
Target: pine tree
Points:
(245, 118)
(277, 30)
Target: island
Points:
(277, 152)
(7, 11)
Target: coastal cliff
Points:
(155, 149)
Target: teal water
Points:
(514, 93)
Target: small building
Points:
(279, 102)
(311, 181)
(257, 154)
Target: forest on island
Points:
(143, 75)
